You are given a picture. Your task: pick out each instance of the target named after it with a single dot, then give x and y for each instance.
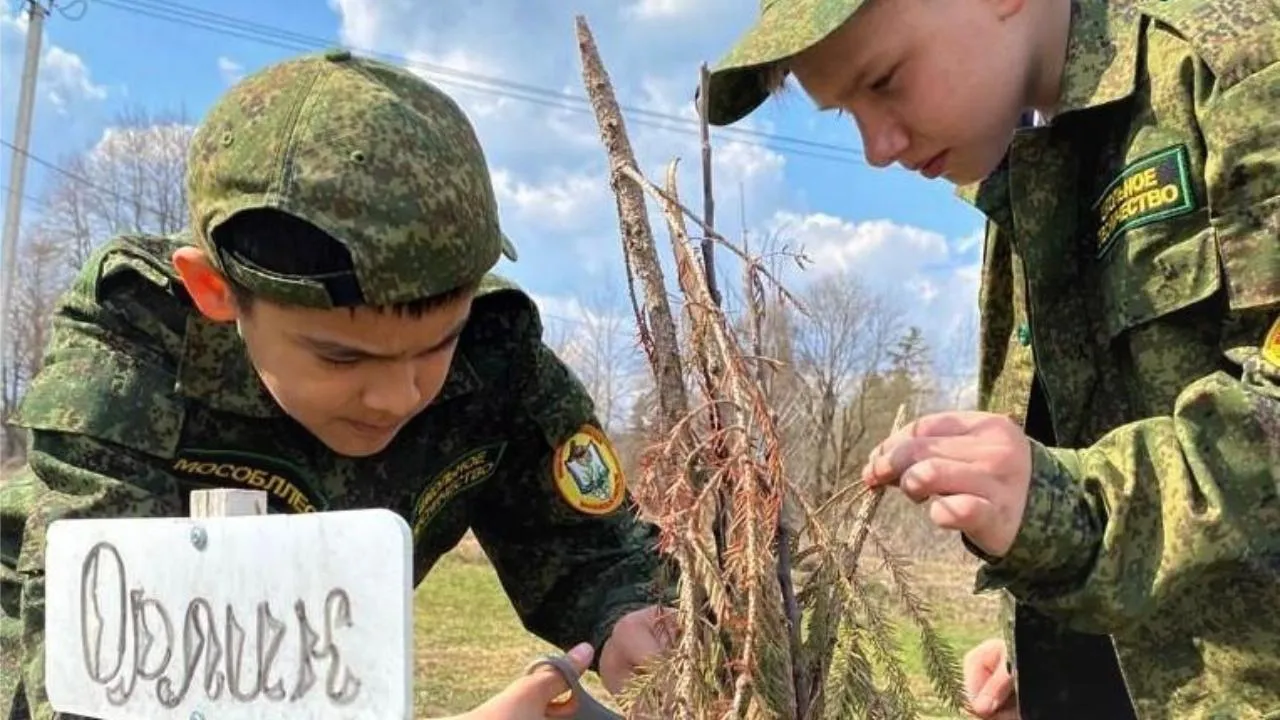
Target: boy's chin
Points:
(968, 173)
(353, 443)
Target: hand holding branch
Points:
(975, 467)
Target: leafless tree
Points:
(956, 366)
(135, 173)
(40, 279)
(599, 345)
(131, 181)
(839, 348)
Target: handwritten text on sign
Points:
(237, 617)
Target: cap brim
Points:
(738, 84)
(509, 248)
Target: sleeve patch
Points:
(463, 473)
(588, 473)
(1151, 189)
(286, 485)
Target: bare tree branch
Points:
(656, 325)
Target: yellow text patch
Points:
(283, 482)
(1156, 187)
(474, 467)
(587, 472)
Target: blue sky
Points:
(891, 227)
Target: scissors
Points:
(588, 707)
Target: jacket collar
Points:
(1101, 67)
(1102, 55)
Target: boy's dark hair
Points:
(288, 245)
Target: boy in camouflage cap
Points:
(1120, 481)
(329, 333)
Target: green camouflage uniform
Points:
(142, 399)
(1131, 271)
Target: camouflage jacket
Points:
(142, 400)
(1131, 277)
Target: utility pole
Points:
(18, 173)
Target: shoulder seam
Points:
(1233, 45)
(113, 407)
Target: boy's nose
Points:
(394, 392)
(884, 140)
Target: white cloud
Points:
(456, 70)
(232, 72)
(923, 288)
(516, 71)
(65, 71)
(936, 279)
(502, 60)
(63, 80)
(363, 22)
(566, 201)
(597, 341)
(161, 143)
(659, 9)
(970, 242)
(746, 163)
(565, 307)
(578, 315)
(877, 248)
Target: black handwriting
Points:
(128, 639)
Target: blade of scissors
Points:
(588, 707)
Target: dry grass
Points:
(468, 641)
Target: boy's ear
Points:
(208, 288)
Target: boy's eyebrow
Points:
(330, 347)
(846, 89)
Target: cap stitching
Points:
(406, 115)
(286, 170)
(270, 197)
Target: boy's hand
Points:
(637, 638)
(988, 683)
(976, 467)
(536, 696)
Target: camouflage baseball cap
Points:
(739, 83)
(371, 154)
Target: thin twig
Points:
(661, 195)
(869, 508)
(721, 528)
(786, 585)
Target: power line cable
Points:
(314, 42)
(275, 36)
(65, 8)
(82, 180)
(32, 200)
(77, 177)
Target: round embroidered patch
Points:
(1271, 345)
(588, 473)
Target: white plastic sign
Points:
(273, 616)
